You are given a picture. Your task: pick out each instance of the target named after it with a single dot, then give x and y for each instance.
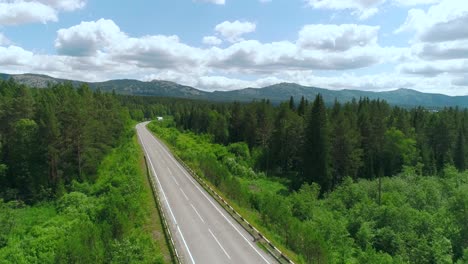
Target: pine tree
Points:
(292, 105)
(302, 107)
(460, 151)
(317, 147)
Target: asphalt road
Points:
(203, 231)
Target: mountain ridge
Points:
(275, 93)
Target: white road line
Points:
(191, 180)
(193, 207)
(175, 180)
(217, 241)
(184, 194)
(160, 186)
(165, 198)
(185, 243)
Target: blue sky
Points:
(231, 44)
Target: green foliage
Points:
(50, 137)
(317, 159)
(361, 138)
(420, 219)
(94, 223)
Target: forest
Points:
(311, 142)
(355, 182)
(72, 189)
(360, 182)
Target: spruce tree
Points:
(317, 147)
(460, 152)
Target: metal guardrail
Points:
(175, 255)
(272, 249)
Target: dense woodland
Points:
(310, 142)
(406, 218)
(360, 182)
(71, 186)
(50, 137)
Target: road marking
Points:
(193, 207)
(217, 241)
(175, 180)
(185, 243)
(165, 198)
(160, 186)
(184, 194)
(191, 180)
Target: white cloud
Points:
(362, 8)
(104, 36)
(15, 13)
(14, 56)
(4, 40)
(212, 40)
(22, 12)
(416, 2)
(445, 21)
(254, 56)
(440, 45)
(442, 51)
(87, 38)
(158, 52)
(233, 31)
(337, 37)
(66, 5)
(461, 81)
(100, 50)
(435, 68)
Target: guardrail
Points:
(259, 237)
(175, 255)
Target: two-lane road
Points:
(203, 231)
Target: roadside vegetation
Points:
(408, 211)
(72, 186)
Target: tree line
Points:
(314, 142)
(50, 137)
(406, 218)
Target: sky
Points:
(373, 45)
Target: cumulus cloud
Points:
(362, 8)
(104, 36)
(87, 38)
(254, 56)
(232, 31)
(442, 51)
(337, 37)
(42, 11)
(15, 13)
(435, 68)
(212, 40)
(158, 52)
(440, 45)
(99, 50)
(445, 21)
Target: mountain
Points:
(283, 91)
(275, 93)
(153, 88)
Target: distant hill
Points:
(275, 93)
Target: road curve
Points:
(203, 231)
